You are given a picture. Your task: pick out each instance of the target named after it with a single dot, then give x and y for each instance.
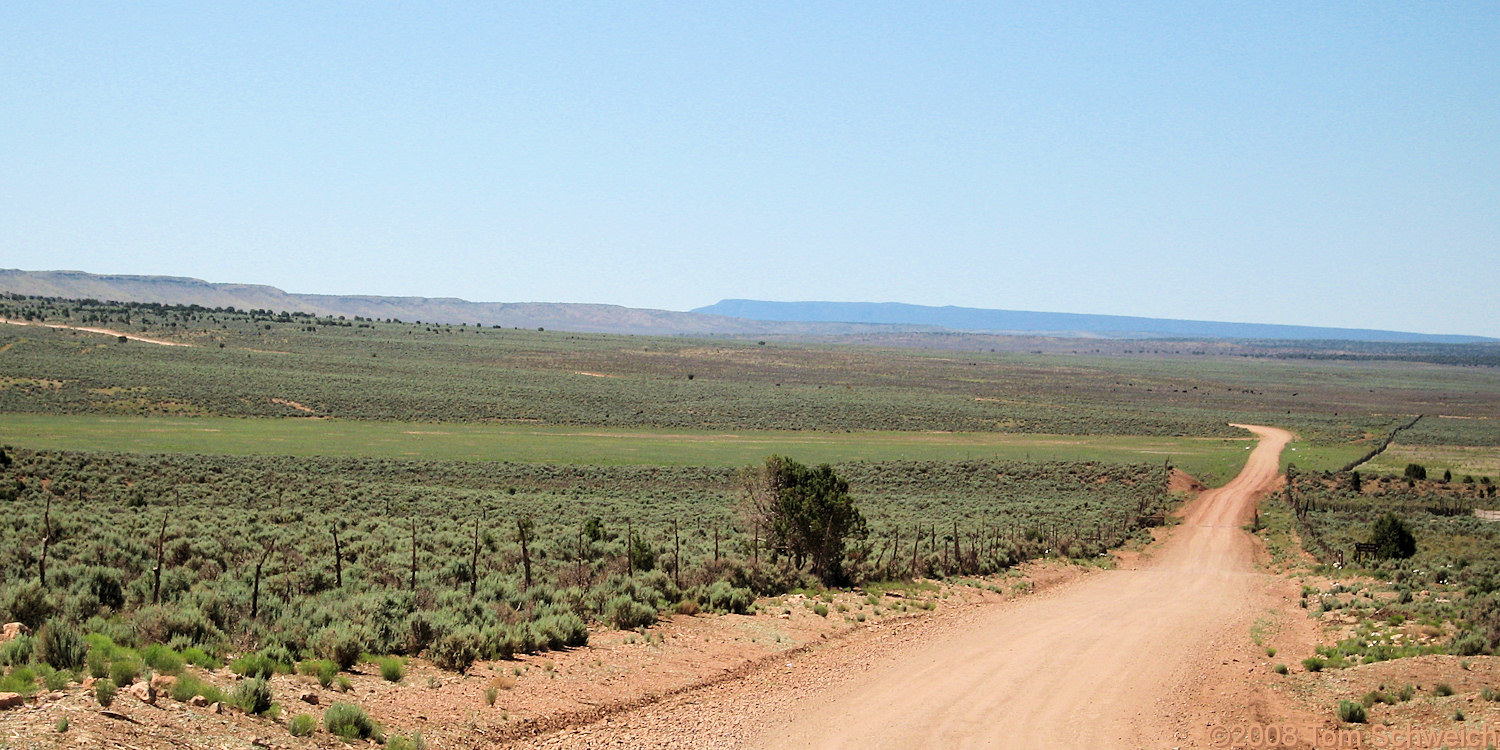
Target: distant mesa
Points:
(581, 318)
(731, 317)
(1053, 324)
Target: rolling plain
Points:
(551, 529)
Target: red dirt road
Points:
(1090, 666)
(86, 329)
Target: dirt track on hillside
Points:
(103, 331)
(1146, 657)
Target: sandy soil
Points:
(618, 672)
(104, 331)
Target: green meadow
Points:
(1207, 458)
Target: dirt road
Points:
(86, 329)
(1086, 667)
(1145, 657)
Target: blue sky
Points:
(1308, 163)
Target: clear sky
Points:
(1318, 163)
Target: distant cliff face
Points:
(1072, 324)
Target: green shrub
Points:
(820, 610)
(1406, 693)
(407, 742)
(55, 679)
(188, 686)
(505, 641)
(161, 623)
(29, 605)
(20, 680)
(17, 651)
(628, 614)
(253, 696)
(59, 644)
(162, 659)
(562, 630)
(1392, 538)
(124, 671)
(281, 656)
(1351, 712)
(102, 587)
(322, 669)
(1442, 689)
(61, 725)
(98, 663)
(456, 651)
(1279, 669)
(338, 646)
(1469, 644)
(419, 634)
(343, 684)
(642, 557)
(1313, 663)
(254, 665)
(391, 668)
(722, 597)
(302, 725)
(349, 722)
(104, 692)
(198, 657)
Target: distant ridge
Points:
(731, 317)
(1055, 324)
(583, 318)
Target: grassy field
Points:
(1471, 460)
(248, 381)
(260, 364)
(1313, 456)
(1210, 459)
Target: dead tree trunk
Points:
(413, 520)
(474, 558)
(581, 555)
(958, 559)
(338, 558)
(161, 541)
(46, 539)
(523, 531)
(895, 550)
(255, 590)
(916, 541)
